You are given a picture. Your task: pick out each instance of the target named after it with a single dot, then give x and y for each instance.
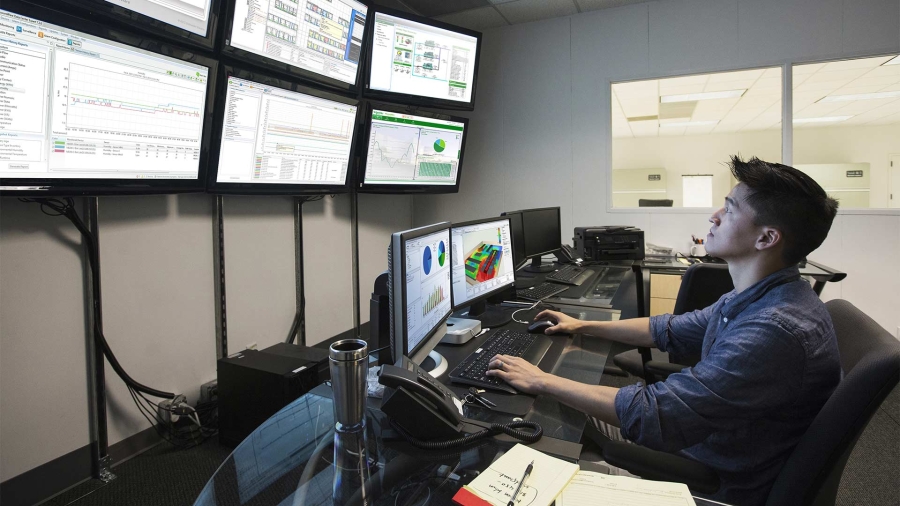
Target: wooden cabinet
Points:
(663, 292)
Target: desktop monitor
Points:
(276, 137)
(419, 291)
(412, 153)
(191, 22)
(540, 235)
(419, 61)
(517, 230)
(83, 114)
(317, 40)
(481, 259)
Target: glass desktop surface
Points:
(289, 459)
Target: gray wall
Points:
(158, 301)
(540, 133)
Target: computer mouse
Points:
(540, 326)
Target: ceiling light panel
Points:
(893, 61)
(822, 119)
(714, 95)
(858, 63)
(861, 96)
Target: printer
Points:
(609, 243)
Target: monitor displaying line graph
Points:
(410, 149)
(275, 136)
(79, 106)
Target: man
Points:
(769, 356)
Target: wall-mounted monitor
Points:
(316, 40)
(411, 153)
(191, 22)
(419, 61)
(272, 136)
(83, 114)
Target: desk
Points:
(820, 274)
(288, 460)
(596, 292)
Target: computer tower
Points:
(254, 385)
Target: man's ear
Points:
(769, 237)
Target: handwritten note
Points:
(497, 483)
(589, 489)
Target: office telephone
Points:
(430, 416)
(567, 254)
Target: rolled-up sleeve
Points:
(757, 368)
(682, 334)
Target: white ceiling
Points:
(511, 12)
(760, 106)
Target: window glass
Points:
(672, 137)
(847, 129)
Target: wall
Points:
(541, 127)
(158, 301)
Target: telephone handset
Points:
(567, 254)
(416, 401)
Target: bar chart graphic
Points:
(434, 299)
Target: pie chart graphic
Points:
(426, 260)
(439, 145)
(442, 254)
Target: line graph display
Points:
(114, 102)
(306, 131)
(393, 151)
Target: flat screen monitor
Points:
(517, 230)
(274, 136)
(191, 22)
(82, 114)
(419, 284)
(409, 153)
(538, 231)
(481, 256)
(318, 40)
(419, 61)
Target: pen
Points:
(512, 502)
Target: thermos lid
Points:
(348, 350)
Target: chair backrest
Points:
(655, 202)
(870, 357)
(701, 286)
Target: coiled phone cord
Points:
(510, 429)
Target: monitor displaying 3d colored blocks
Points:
(480, 259)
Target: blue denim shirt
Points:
(769, 361)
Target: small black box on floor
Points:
(254, 385)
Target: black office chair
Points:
(870, 358)
(655, 202)
(701, 286)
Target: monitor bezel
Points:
(525, 230)
(287, 69)
(299, 189)
(74, 187)
(418, 100)
(499, 288)
(130, 19)
(398, 241)
(388, 188)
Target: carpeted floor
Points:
(166, 476)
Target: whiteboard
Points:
(697, 191)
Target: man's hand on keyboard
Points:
(518, 372)
(564, 324)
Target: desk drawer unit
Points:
(663, 292)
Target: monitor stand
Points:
(537, 266)
(490, 317)
(434, 364)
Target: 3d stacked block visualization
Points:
(483, 262)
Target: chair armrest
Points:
(660, 466)
(662, 369)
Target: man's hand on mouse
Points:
(518, 372)
(562, 323)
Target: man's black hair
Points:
(787, 199)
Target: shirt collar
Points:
(734, 305)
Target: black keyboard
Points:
(473, 370)
(541, 291)
(570, 275)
